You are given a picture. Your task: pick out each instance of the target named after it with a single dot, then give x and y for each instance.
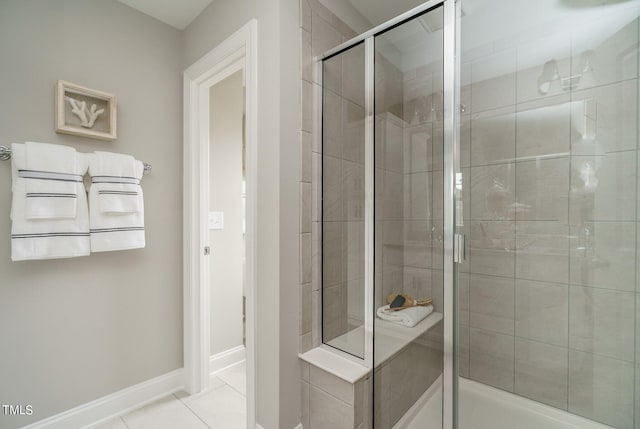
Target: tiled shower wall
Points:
(327, 401)
(549, 291)
(343, 194)
(320, 31)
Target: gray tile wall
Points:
(320, 30)
(404, 232)
(330, 402)
(401, 381)
(327, 401)
(549, 293)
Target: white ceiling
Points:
(381, 11)
(489, 26)
(178, 14)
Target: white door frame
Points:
(239, 51)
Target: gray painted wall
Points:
(108, 321)
(77, 329)
(278, 176)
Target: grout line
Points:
(515, 224)
(634, 411)
(571, 94)
(195, 414)
(123, 422)
(235, 390)
(568, 347)
(548, 97)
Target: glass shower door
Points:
(409, 222)
(548, 295)
(343, 202)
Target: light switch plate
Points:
(216, 220)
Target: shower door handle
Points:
(458, 248)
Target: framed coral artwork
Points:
(85, 112)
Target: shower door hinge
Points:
(458, 248)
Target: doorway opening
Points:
(220, 171)
(226, 222)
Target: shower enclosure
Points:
(484, 155)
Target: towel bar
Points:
(5, 155)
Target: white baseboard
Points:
(227, 358)
(114, 404)
(297, 427)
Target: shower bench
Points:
(338, 386)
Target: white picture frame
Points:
(86, 112)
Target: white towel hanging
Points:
(33, 239)
(116, 202)
(51, 181)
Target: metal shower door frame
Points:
(451, 9)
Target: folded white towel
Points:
(51, 181)
(116, 202)
(117, 199)
(117, 177)
(408, 317)
(33, 239)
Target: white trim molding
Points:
(299, 426)
(227, 358)
(238, 49)
(115, 404)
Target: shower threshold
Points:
(485, 407)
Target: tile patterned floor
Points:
(222, 406)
